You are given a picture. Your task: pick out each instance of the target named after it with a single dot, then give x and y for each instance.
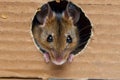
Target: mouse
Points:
(60, 31)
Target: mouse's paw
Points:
(46, 57)
(71, 56)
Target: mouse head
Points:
(56, 34)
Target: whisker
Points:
(82, 43)
(78, 48)
(88, 34)
(88, 26)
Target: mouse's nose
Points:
(59, 58)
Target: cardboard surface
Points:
(20, 58)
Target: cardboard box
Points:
(20, 58)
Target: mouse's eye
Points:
(69, 39)
(50, 38)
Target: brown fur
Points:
(59, 28)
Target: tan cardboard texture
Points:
(20, 58)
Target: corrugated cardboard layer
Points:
(20, 58)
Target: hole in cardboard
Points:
(80, 21)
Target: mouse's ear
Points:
(72, 11)
(45, 11)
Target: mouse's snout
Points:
(58, 57)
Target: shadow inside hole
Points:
(83, 24)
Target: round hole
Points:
(55, 18)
